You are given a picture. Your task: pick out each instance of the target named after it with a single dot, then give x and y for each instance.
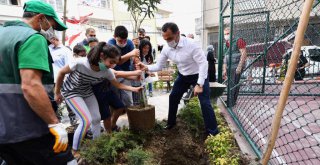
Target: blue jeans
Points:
(180, 86)
(150, 87)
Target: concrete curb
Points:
(242, 142)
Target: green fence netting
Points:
(268, 29)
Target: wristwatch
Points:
(199, 85)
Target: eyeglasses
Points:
(92, 35)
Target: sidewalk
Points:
(160, 100)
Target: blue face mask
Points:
(102, 66)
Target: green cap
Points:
(41, 7)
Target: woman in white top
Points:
(77, 88)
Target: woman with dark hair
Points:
(146, 58)
(77, 88)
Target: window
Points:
(106, 4)
(3, 2)
(128, 25)
(56, 4)
(97, 3)
(212, 38)
(102, 26)
(10, 2)
(158, 16)
(122, 6)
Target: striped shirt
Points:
(80, 80)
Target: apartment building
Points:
(102, 15)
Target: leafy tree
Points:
(140, 9)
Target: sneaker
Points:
(89, 134)
(73, 120)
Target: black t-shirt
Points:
(300, 72)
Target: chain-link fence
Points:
(265, 30)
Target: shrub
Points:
(107, 148)
(138, 157)
(222, 148)
(155, 85)
(192, 115)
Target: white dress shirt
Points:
(188, 56)
(61, 56)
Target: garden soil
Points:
(177, 146)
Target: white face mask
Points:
(121, 45)
(227, 37)
(172, 44)
(144, 54)
(48, 34)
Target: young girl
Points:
(146, 58)
(77, 89)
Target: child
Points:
(77, 88)
(92, 42)
(79, 51)
(146, 58)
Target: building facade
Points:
(102, 15)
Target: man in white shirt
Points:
(193, 69)
(61, 56)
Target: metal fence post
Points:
(230, 53)
(220, 44)
(265, 53)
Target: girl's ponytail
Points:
(94, 54)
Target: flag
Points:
(83, 19)
(73, 37)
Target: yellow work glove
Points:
(61, 135)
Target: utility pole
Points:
(64, 21)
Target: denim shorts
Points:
(106, 98)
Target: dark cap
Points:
(41, 7)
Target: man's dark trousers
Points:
(181, 85)
(36, 151)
